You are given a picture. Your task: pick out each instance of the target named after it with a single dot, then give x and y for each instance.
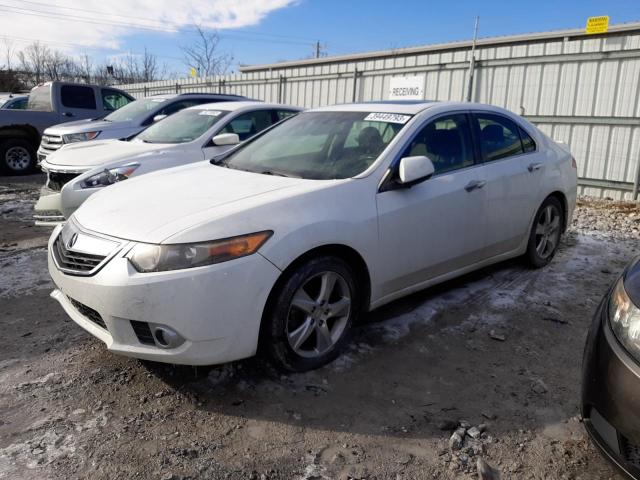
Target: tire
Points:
(17, 156)
(301, 332)
(545, 234)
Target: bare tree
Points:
(9, 52)
(204, 55)
(85, 67)
(33, 60)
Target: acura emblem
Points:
(72, 240)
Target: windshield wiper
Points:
(277, 174)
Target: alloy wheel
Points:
(548, 231)
(17, 158)
(318, 314)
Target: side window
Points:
(527, 142)
(282, 114)
(75, 96)
(499, 137)
(112, 100)
(248, 124)
(177, 106)
(446, 141)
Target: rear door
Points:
(514, 168)
(437, 226)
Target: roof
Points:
(614, 30)
(400, 106)
(233, 106)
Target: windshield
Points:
(40, 99)
(135, 109)
(184, 126)
(320, 145)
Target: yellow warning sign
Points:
(597, 24)
(194, 72)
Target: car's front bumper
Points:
(217, 309)
(611, 396)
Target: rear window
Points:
(40, 99)
(75, 96)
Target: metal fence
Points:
(583, 90)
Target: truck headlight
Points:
(80, 137)
(146, 257)
(109, 176)
(624, 317)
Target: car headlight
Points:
(109, 176)
(146, 257)
(624, 317)
(80, 137)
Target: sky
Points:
(266, 31)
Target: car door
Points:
(513, 168)
(436, 226)
(78, 102)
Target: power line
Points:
(174, 27)
(176, 24)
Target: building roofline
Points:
(574, 33)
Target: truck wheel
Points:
(17, 156)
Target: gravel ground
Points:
(494, 356)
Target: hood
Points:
(88, 125)
(98, 152)
(159, 205)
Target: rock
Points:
(457, 439)
(497, 336)
(474, 432)
(486, 471)
(539, 387)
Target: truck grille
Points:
(50, 143)
(57, 180)
(88, 313)
(74, 261)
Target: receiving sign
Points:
(406, 88)
(597, 25)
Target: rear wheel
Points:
(545, 233)
(311, 314)
(17, 156)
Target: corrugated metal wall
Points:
(578, 89)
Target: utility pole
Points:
(472, 60)
(317, 49)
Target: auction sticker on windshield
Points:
(210, 113)
(388, 117)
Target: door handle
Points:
(534, 166)
(67, 114)
(474, 184)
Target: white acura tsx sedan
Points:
(284, 241)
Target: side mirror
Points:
(226, 139)
(413, 170)
(157, 118)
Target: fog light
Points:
(165, 337)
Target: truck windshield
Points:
(135, 109)
(40, 99)
(320, 145)
(184, 126)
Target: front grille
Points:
(631, 451)
(74, 261)
(89, 313)
(51, 143)
(57, 180)
(143, 332)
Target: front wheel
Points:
(545, 233)
(311, 314)
(17, 156)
